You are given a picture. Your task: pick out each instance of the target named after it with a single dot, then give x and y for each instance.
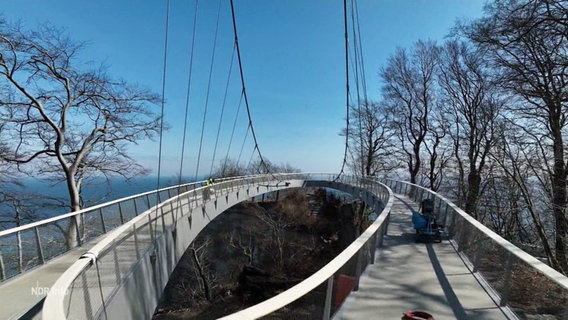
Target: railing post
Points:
(135, 207)
(120, 213)
(175, 211)
(136, 242)
(102, 220)
(116, 266)
(161, 209)
(373, 247)
(86, 295)
(358, 267)
(507, 282)
(20, 252)
(150, 226)
(77, 230)
(453, 223)
(476, 255)
(386, 229)
(148, 200)
(328, 296)
(2, 269)
(445, 219)
(39, 249)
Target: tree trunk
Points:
(73, 236)
(202, 275)
(473, 185)
(559, 195)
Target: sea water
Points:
(94, 192)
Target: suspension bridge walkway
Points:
(132, 245)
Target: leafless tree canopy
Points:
(527, 43)
(409, 90)
(484, 118)
(371, 140)
(232, 168)
(472, 106)
(65, 119)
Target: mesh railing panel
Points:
(514, 282)
(52, 240)
(118, 259)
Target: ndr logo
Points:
(43, 291)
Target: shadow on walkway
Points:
(417, 276)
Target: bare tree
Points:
(370, 140)
(520, 161)
(202, 267)
(69, 121)
(472, 107)
(527, 44)
(231, 168)
(502, 206)
(409, 90)
(244, 244)
(437, 148)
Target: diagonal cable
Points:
(208, 90)
(188, 92)
(347, 90)
(164, 64)
(222, 111)
(263, 163)
(233, 133)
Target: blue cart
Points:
(424, 222)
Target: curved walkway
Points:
(22, 297)
(405, 276)
(417, 276)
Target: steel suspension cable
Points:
(356, 59)
(243, 145)
(164, 61)
(346, 88)
(222, 110)
(251, 157)
(363, 77)
(208, 90)
(233, 131)
(244, 87)
(188, 92)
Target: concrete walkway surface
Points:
(406, 275)
(23, 292)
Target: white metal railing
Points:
(513, 277)
(94, 280)
(26, 247)
(342, 272)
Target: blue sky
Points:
(293, 60)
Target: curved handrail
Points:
(13, 237)
(54, 304)
(110, 238)
(500, 266)
(543, 268)
(325, 273)
(99, 206)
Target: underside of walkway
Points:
(417, 276)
